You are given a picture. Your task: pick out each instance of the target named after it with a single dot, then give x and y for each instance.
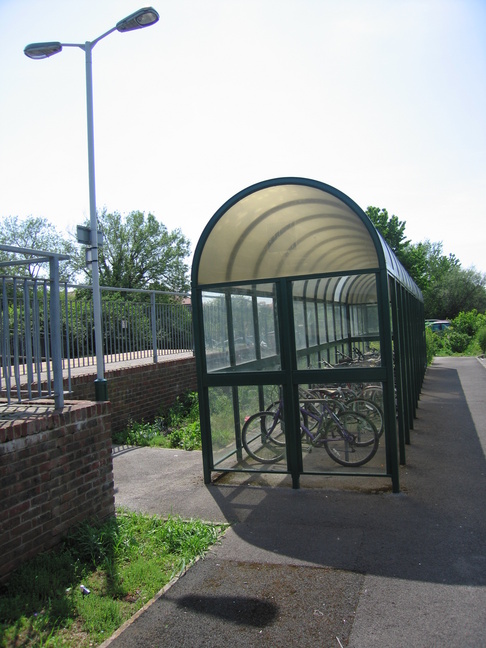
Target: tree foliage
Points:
(139, 252)
(392, 229)
(455, 291)
(426, 263)
(35, 233)
(447, 288)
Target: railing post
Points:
(153, 325)
(55, 312)
(29, 358)
(5, 341)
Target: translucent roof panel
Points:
(351, 289)
(293, 227)
(281, 230)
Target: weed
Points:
(123, 562)
(177, 427)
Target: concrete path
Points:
(346, 564)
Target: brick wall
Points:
(56, 467)
(140, 392)
(55, 471)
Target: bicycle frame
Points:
(319, 418)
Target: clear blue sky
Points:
(383, 99)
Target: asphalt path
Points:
(338, 562)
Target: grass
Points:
(178, 427)
(123, 562)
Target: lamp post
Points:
(139, 19)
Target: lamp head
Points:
(42, 50)
(141, 18)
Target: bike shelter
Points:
(298, 300)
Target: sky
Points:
(385, 100)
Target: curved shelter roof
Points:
(299, 228)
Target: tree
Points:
(426, 263)
(36, 233)
(139, 252)
(447, 288)
(454, 291)
(392, 229)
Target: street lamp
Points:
(142, 18)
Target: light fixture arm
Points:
(90, 44)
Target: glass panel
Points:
(247, 430)
(243, 331)
(267, 318)
(311, 324)
(224, 435)
(263, 428)
(311, 360)
(330, 322)
(355, 321)
(336, 333)
(345, 325)
(337, 322)
(256, 398)
(299, 323)
(240, 329)
(371, 319)
(254, 317)
(365, 354)
(215, 324)
(342, 428)
(321, 322)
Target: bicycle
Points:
(349, 438)
(341, 398)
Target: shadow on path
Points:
(434, 531)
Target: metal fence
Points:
(150, 324)
(48, 331)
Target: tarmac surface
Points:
(340, 561)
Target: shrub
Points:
(177, 427)
(139, 434)
(458, 342)
(468, 323)
(481, 338)
(434, 344)
(187, 437)
(185, 409)
(462, 337)
(429, 345)
(182, 423)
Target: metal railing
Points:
(21, 314)
(158, 323)
(48, 331)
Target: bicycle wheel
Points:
(273, 408)
(369, 410)
(263, 437)
(373, 393)
(350, 441)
